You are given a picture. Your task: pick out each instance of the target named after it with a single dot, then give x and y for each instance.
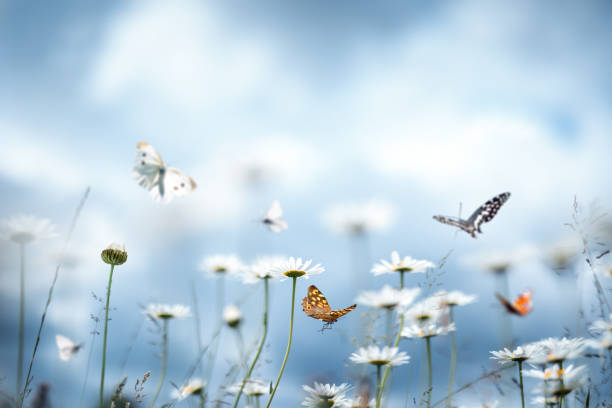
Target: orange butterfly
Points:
(520, 307)
(315, 305)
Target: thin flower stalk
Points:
(261, 343)
(162, 371)
(108, 293)
(453, 362)
(395, 343)
(220, 294)
(280, 374)
(520, 368)
(430, 373)
(75, 218)
(21, 314)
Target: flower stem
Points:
(520, 368)
(108, 292)
(220, 294)
(378, 367)
(202, 399)
(21, 314)
(388, 325)
(280, 374)
(261, 343)
(162, 371)
(397, 339)
(561, 383)
(453, 362)
(429, 376)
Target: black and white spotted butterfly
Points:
(484, 213)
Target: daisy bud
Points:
(232, 316)
(115, 254)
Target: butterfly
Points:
(66, 347)
(274, 218)
(520, 307)
(484, 213)
(163, 183)
(315, 305)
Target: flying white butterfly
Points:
(66, 347)
(163, 183)
(274, 218)
(484, 213)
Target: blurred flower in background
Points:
(357, 218)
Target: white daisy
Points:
(216, 265)
(264, 267)
(359, 218)
(602, 325)
(453, 298)
(252, 387)
(423, 312)
(559, 382)
(397, 264)
(23, 229)
(379, 357)
(159, 311)
(359, 402)
(195, 386)
(295, 268)
(427, 330)
(546, 401)
(602, 344)
(326, 395)
(553, 350)
(388, 297)
(232, 315)
(521, 353)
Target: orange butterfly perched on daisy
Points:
(520, 307)
(163, 182)
(315, 305)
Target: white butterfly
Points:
(66, 347)
(163, 183)
(274, 218)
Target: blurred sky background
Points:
(424, 105)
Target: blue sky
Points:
(424, 106)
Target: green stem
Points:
(378, 387)
(215, 342)
(162, 371)
(520, 368)
(261, 343)
(21, 314)
(202, 399)
(561, 382)
(453, 362)
(280, 374)
(429, 376)
(257, 401)
(108, 292)
(388, 315)
(397, 339)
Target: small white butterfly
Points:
(163, 183)
(274, 218)
(66, 347)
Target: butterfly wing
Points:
(315, 304)
(336, 314)
(273, 219)
(173, 183)
(487, 211)
(66, 347)
(522, 304)
(275, 210)
(507, 304)
(147, 165)
(455, 222)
